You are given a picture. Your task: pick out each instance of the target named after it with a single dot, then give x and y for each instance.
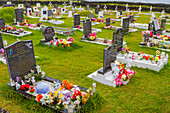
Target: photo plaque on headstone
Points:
(20, 58)
(48, 34)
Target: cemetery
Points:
(91, 56)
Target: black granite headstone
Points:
(163, 23)
(91, 16)
(20, 58)
(55, 6)
(87, 7)
(107, 21)
(50, 13)
(19, 15)
(1, 42)
(2, 23)
(48, 33)
(76, 20)
(97, 9)
(86, 28)
(74, 5)
(126, 25)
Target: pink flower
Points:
(57, 42)
(78, 27)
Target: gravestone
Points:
(86, 28)
(63, 10)
(19, 15)
(100, 14)
(91, 16)
(70, 14)
(29, 10)
(150, 25)
(35, 9)
(120, 12)
(27, 5)
(74, 6)
(38, 4)
(54, 11)
(117, 14)
(20, 6)
(20, 59)
(140, 8)
(55, 6)
(1, 42)
(111, 51)
(2, 23)
(50, 13)
(107, 22)
(131, 18)
(163, 23)
(150, 9)
(116, 8)
(44, 12)
(76, 20)
(87, 7)
(97, 9)
(105, 8)
(125, 25)
(48, 33)
(156, 25)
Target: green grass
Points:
(147, 91)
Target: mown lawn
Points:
(147, 91)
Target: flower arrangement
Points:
(57, 14)
(125, 50)
(105, 40)
(147, 33)
(2, 52)
(159, 44)
(124, 74)
(64, 43)
(21, 30)
(14, 28)
(92, 36)
(36, 14)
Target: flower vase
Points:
(125, 82)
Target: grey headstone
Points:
(97, 9)
(48, 33)
(163, 23)
(150, 26)
(156, 25)
(1, 42)
(20, 58)
(86, 28)
(131, 18)
(50, 13)
(91, 16)
(120, 12)
(126, 25)
(118, 38)
(87, 7)
(19, 15)
(74, 5)
(76, 20)
(107, 21)
(2, 23)
(55, 6)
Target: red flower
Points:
(27, 86)
(159, 57)
(12, 47)
(22, 87)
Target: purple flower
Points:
(151, 44)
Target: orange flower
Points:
(69, 85)
(64, 82)
(39, 97)
(61, 87)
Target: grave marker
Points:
(70, 14)
(97, 9)
(76, 20)
(131, 18)
(150, 25)
(120, 12)
(107, 22)
(91, 16)
(55, 6)
(44, 12)
(2, 23)
(125, 25)
(50, 13)
(163, 23)
(86, 28)
(20, 59)
(29, 10)
(87, 7)
(38, 4)
(20, 6)
(1, 42)
(19, 15)
(48, 33)
(54, 11)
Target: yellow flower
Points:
(68, 45)
(162, 36)
(64, 42)
(61, 95)
(156, 58)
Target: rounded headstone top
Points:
(48, 33)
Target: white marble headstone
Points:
(54, 11)
(38, 4)
(116, 8)
(8, 3)
(70, 14)
(35, 9)
(44, 12)
(117, 14)
(63, 10)
(140, 8)
(29, 10)
(100, 14)
(150, 9)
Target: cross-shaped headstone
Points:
(150, 9)
(50, 4)
(105, 8)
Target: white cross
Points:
(50, 4)
(38, 68)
